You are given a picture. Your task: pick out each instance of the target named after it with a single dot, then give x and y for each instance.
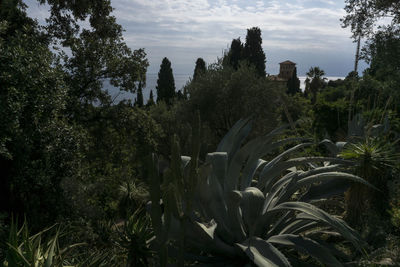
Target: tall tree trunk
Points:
(357, 53)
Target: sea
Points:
(180, 82)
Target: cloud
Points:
(300, 25)
(186, 29)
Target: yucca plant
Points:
(373, 161)
(374, 157)
(237, 209)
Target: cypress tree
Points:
(139, 97)
(253, 51)
(150, 102)
(200, 68)
(165, 82)
(293, 84)
(235, 53)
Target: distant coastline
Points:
(180, 81)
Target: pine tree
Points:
(139, 99)
(293, 84)
(165, 82)
(253, 51)
(235, 53)
(200, 68)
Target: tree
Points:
(150, 102)
(98, 53)
(293, 84)
(200, 68)
(39, 149)
(363, 16)
(165, 82)
(224, 95)
(253, 51)
(315, 74)
(139, 98)
(235, 53)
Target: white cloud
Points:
(170, 26)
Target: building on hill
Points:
(286, 69)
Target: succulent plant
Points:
(238, 209)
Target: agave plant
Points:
(134, 238)
(237, 209)
(34, 250)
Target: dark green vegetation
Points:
(81, 169)
(165, 83)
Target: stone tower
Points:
(286, 69)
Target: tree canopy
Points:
(253, 51)
(200, 68)
(293, 84)
(165, 82)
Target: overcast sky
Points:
(307, 32)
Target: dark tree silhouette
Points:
(165, 82)
(293, 84)
(150, 102)
(139, 97)
(200, 68)
(235, 53)
(315, 75)
(253, 51)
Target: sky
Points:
(307, 32)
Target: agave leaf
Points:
(249, 172)
(238, 160)
(234, 138)
(325, 189)
(270, 176)
(266, 177)
(212, 200)
(332, 175)
(234, 213)
(308, 246)
(51, 250)
(262, 253)
(299, 226)
(322, 216)
(252, 201)
(263, 148)
(219, 162)
(185, 161)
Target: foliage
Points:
(35, 250)
(39, 148)
(363, 15)
(238, 209)
(224, 95)
(316, 82)
(374, 161)
(293, 84)
(330, 118)
(98, 52)
(150, 102)
(165, 83)
(253, 51)
(235, 54)
(139, 96)
(134, 239)
(200, 68)
(120, 137)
